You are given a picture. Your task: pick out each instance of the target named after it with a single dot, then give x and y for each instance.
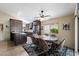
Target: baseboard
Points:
(4, 40)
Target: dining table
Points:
(46, 38)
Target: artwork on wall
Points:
(1, 27)
(66, 26)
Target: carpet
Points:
(33, 50)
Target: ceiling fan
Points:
(42, 15)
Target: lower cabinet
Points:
(19, 38)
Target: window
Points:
(46, 28)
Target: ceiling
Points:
(27, 11)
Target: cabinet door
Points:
(17, 38)
(23, 38)
(12, 25)
(20, 38)
(15, 25)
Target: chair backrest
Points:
(55, 46)
(29, 40)
(43, 44)
(61, 45)
(34, 40)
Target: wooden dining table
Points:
(46, 38)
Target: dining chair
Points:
(43, 47)
(55, 48)
(31, 43)
(35, 43)
(34, 40)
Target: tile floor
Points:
(7, 48)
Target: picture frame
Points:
(1, 27)
(66, 26)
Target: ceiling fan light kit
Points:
(42, 16)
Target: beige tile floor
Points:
(7, 48)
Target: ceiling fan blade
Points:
(47, 15)
(36, 17)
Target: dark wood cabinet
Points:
(37, 27)
(15, 25)
(16, 32)
(19, 38)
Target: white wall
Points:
(4, 19)
(69, 35)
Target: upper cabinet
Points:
(37, 27)
(15, 25)
(34, 27)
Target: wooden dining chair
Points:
(55, 47)
(35, 43)
(43, 46)
(34, 40)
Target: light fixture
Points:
(42, 19)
